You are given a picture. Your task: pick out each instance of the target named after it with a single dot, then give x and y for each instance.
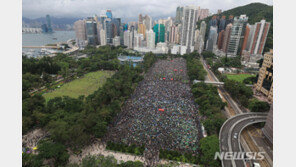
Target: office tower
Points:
(91, 31)
(44, 28)
(265, 79)
(109, 31)
(179, 15)
(126, 37)
(142, 29)
(188, 27)
(212, 38)
(222, 24)
(203, 28)
(159, 30)
(125, 27)
(268, 127)
(121, 35)
(226, 37)
(220, 39)
(103, 37)
(259, 37)
(132, 37)
(116, 41)
(150, 39)
(196, 35)
(236, 34)
(109, 13)
(48, 22)
(219, 11)
(204, 13)
(147, 22)
(103, 18)
(80, 32)
(174, 33)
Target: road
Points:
(235, 125)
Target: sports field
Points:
(238, 77)
(85, 85)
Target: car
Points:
(235, 135)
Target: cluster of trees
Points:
(194, 67)
(244, 95)
(132, 149)
(251, 80)
(208, 147)
(109, 161)
(55, 153)
(239, 91)
(177, 156)
(210, 106)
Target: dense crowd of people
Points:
(161, 114)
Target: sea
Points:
(41, 39)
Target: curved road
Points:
(233, 127)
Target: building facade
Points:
(265, 79)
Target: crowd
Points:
(161, 114)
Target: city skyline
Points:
(128, 9)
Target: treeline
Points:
(195, 68)
(244, 95)
(177, 156)
(210, 106)
(132, 149)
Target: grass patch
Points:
(238, 77)
(85, 85)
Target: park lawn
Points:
(239, 77)
(85, 85)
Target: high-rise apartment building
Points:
(103, 37)
(147, 22)
(202, 30)
(159, 31)
(179, 15)
(188, 28)
(265, 79)
(203, 13)
(126, 37)
(222, 24)
(142, 29)
(259, 37)
(226, 38)
(150, 38)
(174, 34)
(212, 40)
(220, 39)
(236, 34)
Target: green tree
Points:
(208, 147)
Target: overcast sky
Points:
(122, 8)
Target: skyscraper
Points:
(150, 37)
(179, 15)
(188, 27)
(236, 35)
(103, 38)
(147, 22)
(126, 37)
(91, 31)
(222, 24)
(212, 40)
(174, 33)
(226, 38)
(220, 39)
(80, 32)
(142, 29)
(48, 22)
(203, 13)
(140, 21)
(259, 37)
(203, 28)
(159, 30)
(109, 13)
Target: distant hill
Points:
(255, 13)
(57, 23)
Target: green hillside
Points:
(255, 13)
